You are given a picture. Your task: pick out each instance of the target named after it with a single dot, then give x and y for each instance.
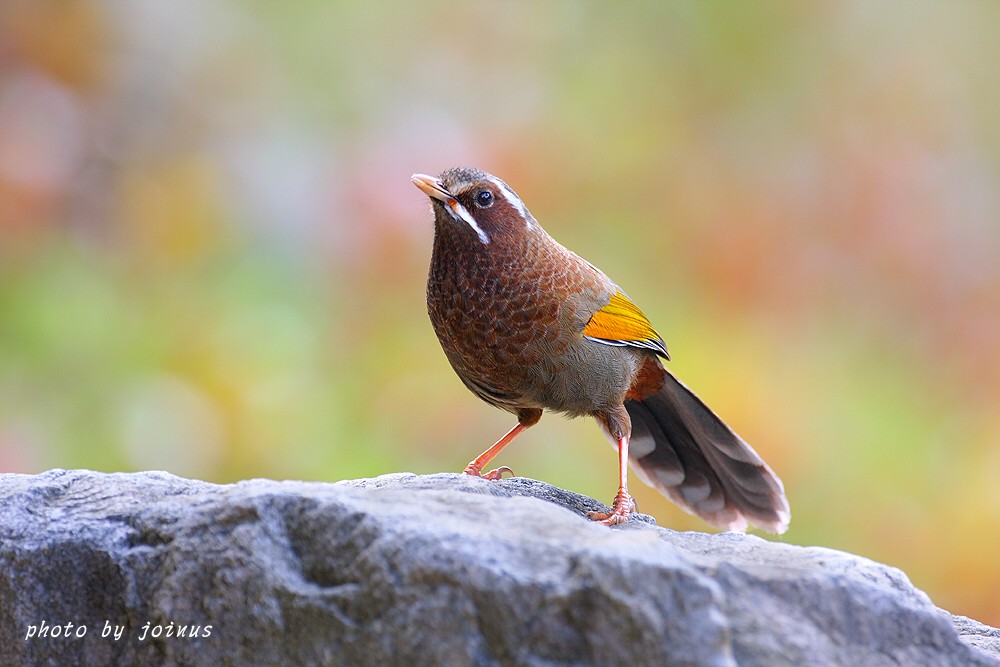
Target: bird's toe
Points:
(493, 475)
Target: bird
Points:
(529, 326)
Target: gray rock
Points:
(427, 570)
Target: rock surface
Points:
(427, 570)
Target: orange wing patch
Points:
(622, 323)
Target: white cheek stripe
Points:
(514, 200)
(461, 213)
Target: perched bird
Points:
(530, 326)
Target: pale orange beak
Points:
(432, 187)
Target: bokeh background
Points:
(212, 260)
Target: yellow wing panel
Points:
(622, 323)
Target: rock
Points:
(427, 570)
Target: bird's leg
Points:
(623, 504)
(525, 418)
(476, 466)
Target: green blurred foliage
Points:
(212, 260)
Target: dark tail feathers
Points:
(682, 449)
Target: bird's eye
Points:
(484, 199)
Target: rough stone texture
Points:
(430, 570)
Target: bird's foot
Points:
(493, 475)
(623, 506)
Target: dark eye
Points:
(484, 199)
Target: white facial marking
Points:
(461, 213)
(514, 200)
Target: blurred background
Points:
(212, 260)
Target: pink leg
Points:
(623, 505)
(476, 466)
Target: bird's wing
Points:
(621, 323)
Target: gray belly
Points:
(586, 377)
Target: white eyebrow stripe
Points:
(462, 213)
(514, 200)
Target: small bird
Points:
(530, 326)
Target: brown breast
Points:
(509, 314)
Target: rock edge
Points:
(429, 570)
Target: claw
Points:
(497, 473)
(493, 475)
(623, 506)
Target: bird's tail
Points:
(682, 449)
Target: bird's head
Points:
(471, 202)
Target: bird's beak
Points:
(432, 187)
